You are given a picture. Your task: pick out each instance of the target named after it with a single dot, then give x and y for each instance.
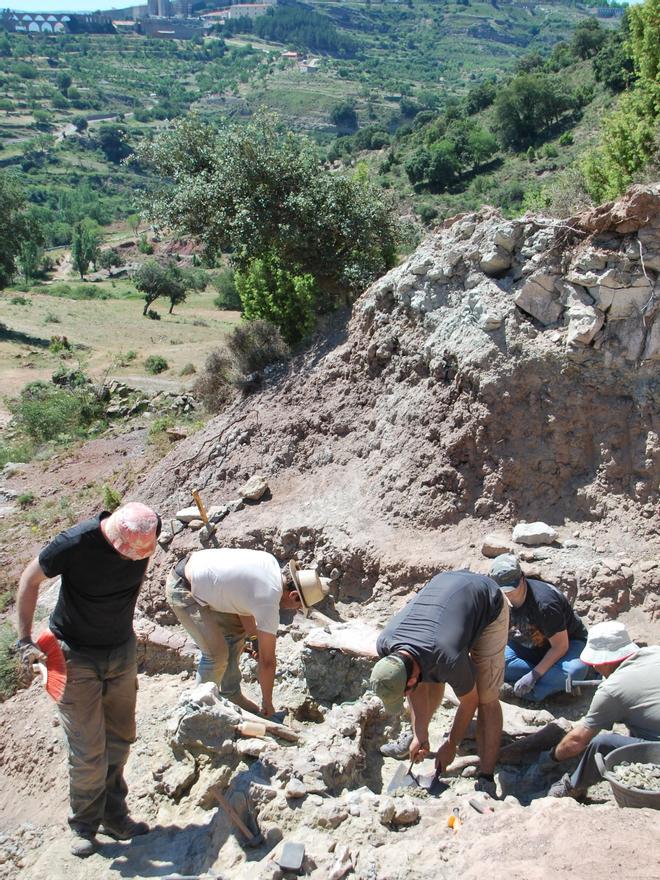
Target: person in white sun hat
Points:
(222, 596)
(629, 694)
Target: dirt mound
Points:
(507, 370)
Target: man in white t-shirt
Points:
(223, 596)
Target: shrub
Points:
(270, 291)
(123, 360)
(10, 665)
(227, 297)
(155, 363)
(58, 344)
(256, 344)
(153, 315)
(144, 246)
(51, 318)
(111, 498)
(214, 386)
(187, 370)
(70, 377)
(427, 213)
(18, 301)
(25, 499)
(43, 412)
(110, 258)
(566, 139)
(15, 452)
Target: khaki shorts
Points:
(487, 654)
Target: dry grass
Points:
(99, 331)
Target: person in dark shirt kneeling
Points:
(546, 637)
(102, 562)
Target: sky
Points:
(64, 5)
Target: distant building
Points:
(173, 28)
(124, 26)
(55, 23)
(239, 10)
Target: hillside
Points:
(75, 106)
(507, 370)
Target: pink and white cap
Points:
(132, 530)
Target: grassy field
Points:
(101, 333)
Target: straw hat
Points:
(311, 588)
(132, 530)
(608, 642)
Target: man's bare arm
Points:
(559, 644)
(575, 742)
(26, 598)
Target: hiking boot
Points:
(83, 843)
(124, 828)
(564, 788)
(487, 786)
(398, 749)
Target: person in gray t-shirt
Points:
(630, 695)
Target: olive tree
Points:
(255, 191)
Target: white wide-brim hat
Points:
(310, 586)
(608, 642)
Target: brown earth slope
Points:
(507, 370)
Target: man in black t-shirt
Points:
(546, 637)
(102, 563)
(454, 630)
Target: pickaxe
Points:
(210, 527)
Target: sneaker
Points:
(398, 749)
(124, 828)
(83, 843)
(564, 788)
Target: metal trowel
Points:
(405, 778)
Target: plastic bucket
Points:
(625, 796)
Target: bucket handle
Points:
(600, 766)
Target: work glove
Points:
(29, 654)
(525, 684)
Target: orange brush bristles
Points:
(55, 665)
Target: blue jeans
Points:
(518, 661)
(586, 773)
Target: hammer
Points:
(574, 686)
(210, 527)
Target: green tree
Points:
(344, 117)
(169, 282)
(588, 37)
(613, 65)
(85, 244)
(80, 123)
(631, 132)
(14, 228)
(269, 291)
(63, 81)
(444, 164)
(114, 142)
(254, 191)
(527, 106)
(31, 250)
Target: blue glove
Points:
(525, 684)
